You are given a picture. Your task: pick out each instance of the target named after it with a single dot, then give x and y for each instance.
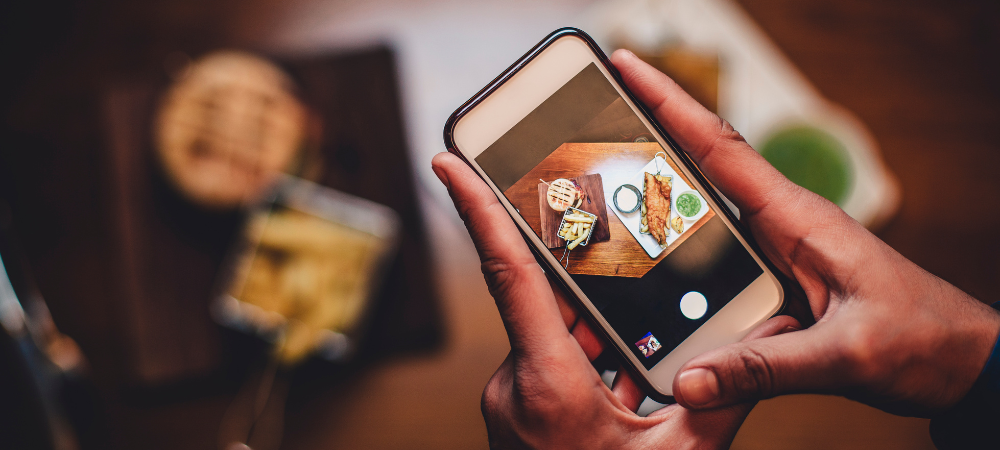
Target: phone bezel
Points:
(634, 366)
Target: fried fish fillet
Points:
(657, 200)
(666, 185)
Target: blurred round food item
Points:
(228, 128)
(563, 193)
(811, 158)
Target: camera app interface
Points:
(614, 208)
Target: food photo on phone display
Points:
(619, 214)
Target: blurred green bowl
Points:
(811, 158)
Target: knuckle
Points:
(498, 275)
(727, 132)
(754, 375)
(664, 100)
(502, 275)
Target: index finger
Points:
(524, 298)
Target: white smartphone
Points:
(614, 210)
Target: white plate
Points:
(633, 221)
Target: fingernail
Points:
(699, 386)
(789, 329)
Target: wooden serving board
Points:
(593, 186)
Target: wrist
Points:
(968, 424)
(982, 360)
(932, 356)
(987, 384)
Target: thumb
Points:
(760, 368)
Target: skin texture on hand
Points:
(887, 332)
(546, 393)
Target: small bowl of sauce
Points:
(690, 205)
(627, 198)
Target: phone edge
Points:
(493, 85)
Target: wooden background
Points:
(923, 75)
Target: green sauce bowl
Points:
(811, 158)
(688, 204)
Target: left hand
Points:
(887, 333)
(546, 394)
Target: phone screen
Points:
(614, 207)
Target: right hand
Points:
(887, 332)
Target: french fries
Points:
(576, 228)
(645, 225)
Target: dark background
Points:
(127, 266)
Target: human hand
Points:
(887, 332)
(546, 394)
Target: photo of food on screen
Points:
(616, 211)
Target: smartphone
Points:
(614, 210)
